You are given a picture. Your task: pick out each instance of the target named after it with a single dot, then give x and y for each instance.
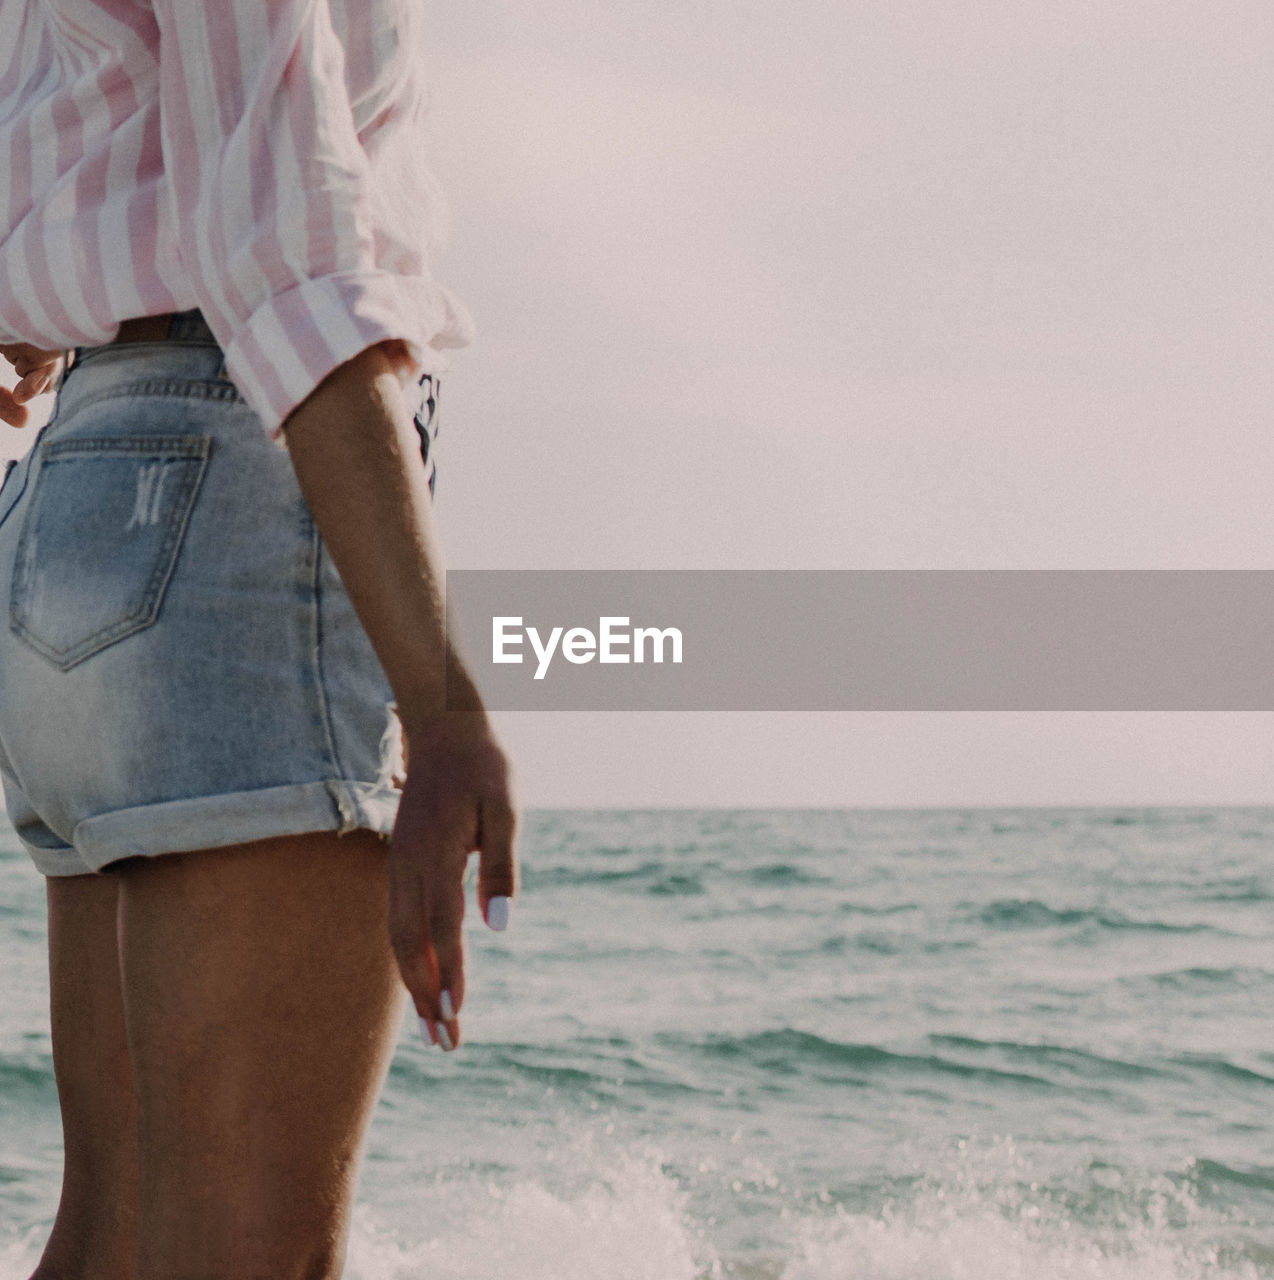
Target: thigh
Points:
(94, 1230)
(262, 1003)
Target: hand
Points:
(36, 369)
(457, 799)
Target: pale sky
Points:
(885, 285)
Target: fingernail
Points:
(427, 1032)
(498, 913)
(444, 1003)
(444, 1037)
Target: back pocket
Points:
(100, 540)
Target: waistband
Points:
(180, 326)
(186, 348)
(177, 326)
(187, 327)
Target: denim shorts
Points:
(182, 668)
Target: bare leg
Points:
(96, 1221)
(262, 1003)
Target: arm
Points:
(357, 458)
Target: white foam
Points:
(982, 1216)
(986, 1246)
(601, 1210)
(625, 1223)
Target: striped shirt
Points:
(257, 159)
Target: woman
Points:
(225, 612)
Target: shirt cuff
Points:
(296, 338)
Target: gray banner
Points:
(868, 640)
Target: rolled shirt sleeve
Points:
(273, 202)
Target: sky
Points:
(885, 285)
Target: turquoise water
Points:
(880, 1045)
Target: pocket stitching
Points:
(190, 448)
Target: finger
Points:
(409, 936)
(46, 369)
(27, 365)
(24, 357)
(427, 866)
(444, 887)
(11, 411)
(34, 384)
(14, 352)
(418, 966)
(497, 862)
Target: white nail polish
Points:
(444, 1003)
(498, 913)
(424, 1032)
(444, 1036)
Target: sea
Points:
(1002, 1044)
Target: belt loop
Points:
(68, 356)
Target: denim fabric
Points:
(182, 667)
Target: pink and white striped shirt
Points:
(257, 159)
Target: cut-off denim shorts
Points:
(182, 668)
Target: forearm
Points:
(357, 457)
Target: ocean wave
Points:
(945, 1245)
(1156, 816)
(602, 1206)
(784, 873)
(878, 942)
(632, 1214)
(1239, 889)
(578, 876)
(1254, 1178)
(1222, 1069)
(789, 1052)
(1210, 980)
(677, 1064)
(1067, 1058)
(673, 875)
(26, 1080)
(1031, 913)
(864, 909)
(607, 1069)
